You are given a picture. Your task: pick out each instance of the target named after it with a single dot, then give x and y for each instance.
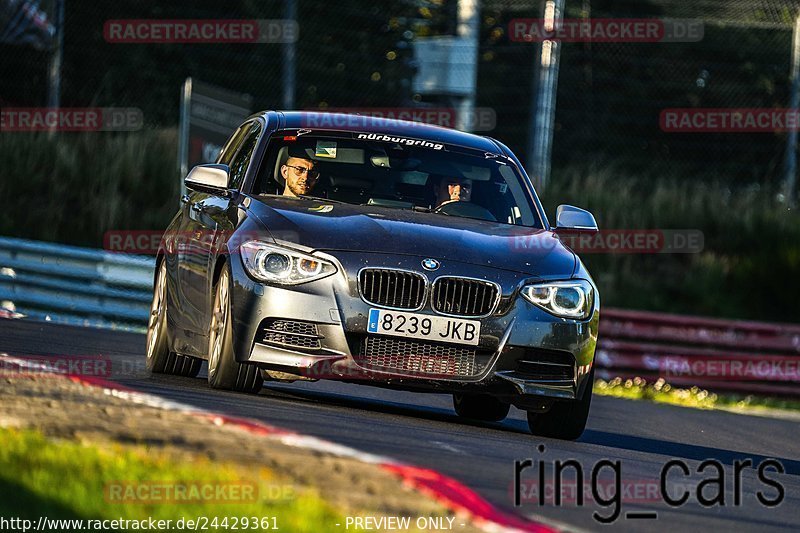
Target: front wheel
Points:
(224, 372)
(480, 407)
(565, 420)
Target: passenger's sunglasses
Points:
(300, 171)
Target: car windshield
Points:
(397, 173)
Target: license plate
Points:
(418, 326)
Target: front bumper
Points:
(521, 356)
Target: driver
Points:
(453, 190)
(300, 176)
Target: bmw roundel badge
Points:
(430, 264)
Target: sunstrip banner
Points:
(399, 140)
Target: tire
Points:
(158, 356)
(159, 359)
(565, 420)
(480, 407)
(223, 370)
(187, 366)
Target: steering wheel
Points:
(465, 209)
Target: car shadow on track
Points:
(425, 412)
(511, 425)
(601, 438)
(328, 398)
(680, 450)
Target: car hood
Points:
(319, 225)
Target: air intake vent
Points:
(392, 288)
(290, 333)
(547, 365)
(464, 297)
(419, 358)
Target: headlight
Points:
(284, 266)
(566, 299)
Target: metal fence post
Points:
(543, 106)
(790, 160)
(54, 89)
(289, 63)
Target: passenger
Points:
(453, 190)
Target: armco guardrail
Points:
(75, 285)
(726, 355)
(97, 288)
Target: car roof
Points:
(319, 120)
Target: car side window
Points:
(232, 145)
(241, 160)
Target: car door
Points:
(192, 258)
(211, 218)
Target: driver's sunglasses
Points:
(464, 186)
(312, 173)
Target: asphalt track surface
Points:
(423, 430)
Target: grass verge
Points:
(662, 392)
(65, 479)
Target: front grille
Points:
(290, 333)
(418, 357)
(549, 365)
(464, 297)
(392, 288)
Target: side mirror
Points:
(573, 218)
(211, 178)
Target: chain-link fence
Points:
(611, 94)
(355, 53)
(349, 53)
